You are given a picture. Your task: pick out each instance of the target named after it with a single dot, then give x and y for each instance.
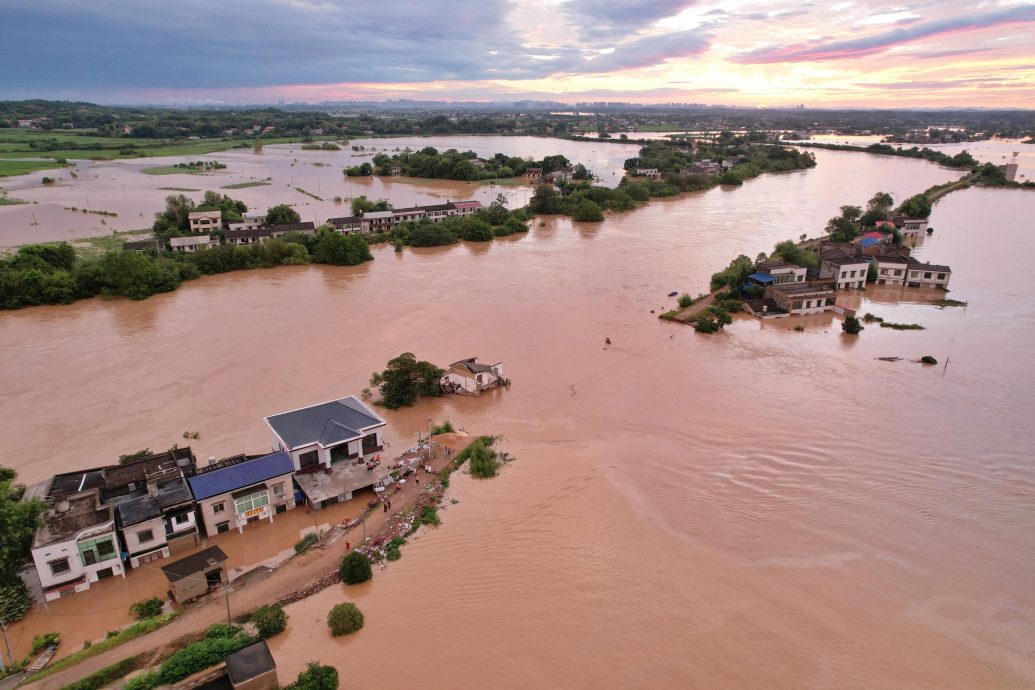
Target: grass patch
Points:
(669, 315)
(185, 189)
(871, 318)
(942, 303)
(244, 185)
(107, 675)
(95, 246)
(306, 542)
(8, 201)
(309, 194)
(9, 168)
(125, 635)
(170, 170)
(902, 326)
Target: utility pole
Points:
(226, 597)
(7, 643)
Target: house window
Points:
(222, 527)
(59, 567)
(145, 535)
(218, 508)
(257, 499)
(898, 272)
(941, 276)
(278, 490)
(884, 271)
(96, 550)
(310, 459)
(796, 305)
(927, 275)
(181, 519)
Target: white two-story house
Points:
(845, 263)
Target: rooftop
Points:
(74, 482)
(84, 511)
(140, 505)
(249, 662)
(472, 366)
(292, 227)
(379, 214)
(137, 471)
(189, 240)
(341, 477)
(931, 267)
(238, 472)
(327, 424)
(802, 289)
(195, 563)
(244, 233)
(344, 220)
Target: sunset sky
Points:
(740, 52)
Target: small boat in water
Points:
(672, 294)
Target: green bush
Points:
(445, 427)
(928, 359)
(316, 677)
(217, 630)
(902, 326)
(355, 568)
(483, 460)
(685, 301)
(106, 676)
(15, 600)
(344, 619)
(41, 642)
(429, 516)
(145, 681)
(269, 620)
(851, 325)
(148, 608)
(306, 542)
(199, 656)
(706, 324)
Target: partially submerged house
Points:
(249, 668)
(929, 276)
(649, 173)
(910, 227)
(802, 298)
(242, 489)
(892, 265)
(158, 521)
(331, 446)
(845, 263)
(307, 228)
(75, 544)
(193, 243)
(470, 376)
(196, 574)
(777, 272)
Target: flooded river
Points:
(761, 508)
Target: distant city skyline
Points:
(861, 53)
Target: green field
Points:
(15, 143)
(243, 185)
(8, 168)
(170, 170)
(179, 189)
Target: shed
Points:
(194, 575)
(251, 667)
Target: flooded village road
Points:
(759, 508)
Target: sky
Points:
(851, 53)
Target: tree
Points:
(282, 215)
(916, 206)
(405, 379)
(587, 211)
(316, 677)
(851, 325)
(355, 568)
(15, 600)
(17, 525)
(361, 205)
(344, 619)
(483, 460)
(269, 620)
(881, 202)
(230, 209)
(845, 227)
(340, 250)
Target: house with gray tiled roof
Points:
(332, 446)
(344, 429)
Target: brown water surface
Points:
(759, 508)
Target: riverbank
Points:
(301, 576)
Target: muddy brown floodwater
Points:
(761, 508)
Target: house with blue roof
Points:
(242, 489)
(328, 433)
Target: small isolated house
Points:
(801, 298)
(196, 574)
(910, 227)
(251, 668)
(929, 276)
(845, 263)
(470, 376)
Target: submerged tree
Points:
(405, 379)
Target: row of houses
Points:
(252, 229)
(100, 522)
(791, 289)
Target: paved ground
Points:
(293, 576)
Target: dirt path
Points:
(694, 309)
(295, 575)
